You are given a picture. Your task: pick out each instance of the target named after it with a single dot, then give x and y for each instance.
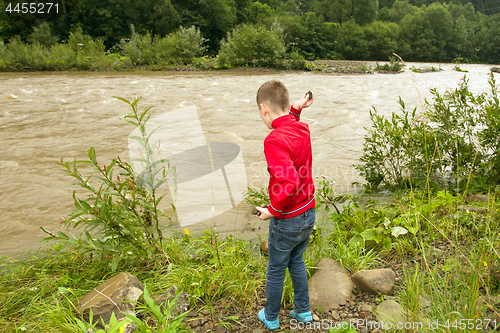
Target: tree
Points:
(427, 34)
(382, 40)
(365, 11)
(259, 12)
(42, 34)
(488, 39)
(352, 42)
(399, 9)
(219, 17)
(309, 35)
(341, 11)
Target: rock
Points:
(478, 210)
(375, 281)
(495, 69)
(315, 317)
(335, 315)
(477, 197)
(488, 300)
(256, 212)
(195, 323)
(220, 329)
(264, 247)
(495, 320)
(118, 294)
(258, 330)
(365, 308)
(390, 311)
(425, 303)
(433, 253)
(330, 286)
(495, 271)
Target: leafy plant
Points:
(325, 194)
(249, 45)
(395, 65)
(257, 197)
(168, 318)
(120, 216)
(453, 142)
(393, 151)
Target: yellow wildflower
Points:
(187, 232)
(485, 264)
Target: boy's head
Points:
(273, 101)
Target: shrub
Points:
(392, 151)
(185, 45)
(121, 210)
(455, 144)
(188, 43)
(250, 45)
(42, 35)
(26, 56)
(62, 57)
(394, 66)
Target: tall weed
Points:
(120, 216)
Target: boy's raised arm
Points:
(302, 103)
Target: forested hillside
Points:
(417, 30)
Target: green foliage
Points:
(120, 217)
(426, 34)
(425, 69)
(418, 30)
(250, 45)
(392, 151)
(183, 45)
(342, 11)
(257, 197)
(394, 66)
(454, 142)
(457, 284)
(42, 34)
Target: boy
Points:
(291, 190)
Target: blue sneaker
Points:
(303, 317)
(271, 325)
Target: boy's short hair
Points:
(274, 94)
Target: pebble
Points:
(315, 317)
(365, 308)
(335, 315)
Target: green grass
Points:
(31, 289)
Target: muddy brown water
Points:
(48, 116)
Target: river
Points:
(46, 116)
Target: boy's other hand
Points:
(264, 213)
(304, 102)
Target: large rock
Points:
(472, 209)
(495, 271)
(117, 295)
(375, 281)
(477, 197)
(390, 311)
(330, 285)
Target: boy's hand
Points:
(304, 102)
(264, 213)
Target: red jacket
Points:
(289, 162)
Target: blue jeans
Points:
(287, 241)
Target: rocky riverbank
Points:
(362, 300)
